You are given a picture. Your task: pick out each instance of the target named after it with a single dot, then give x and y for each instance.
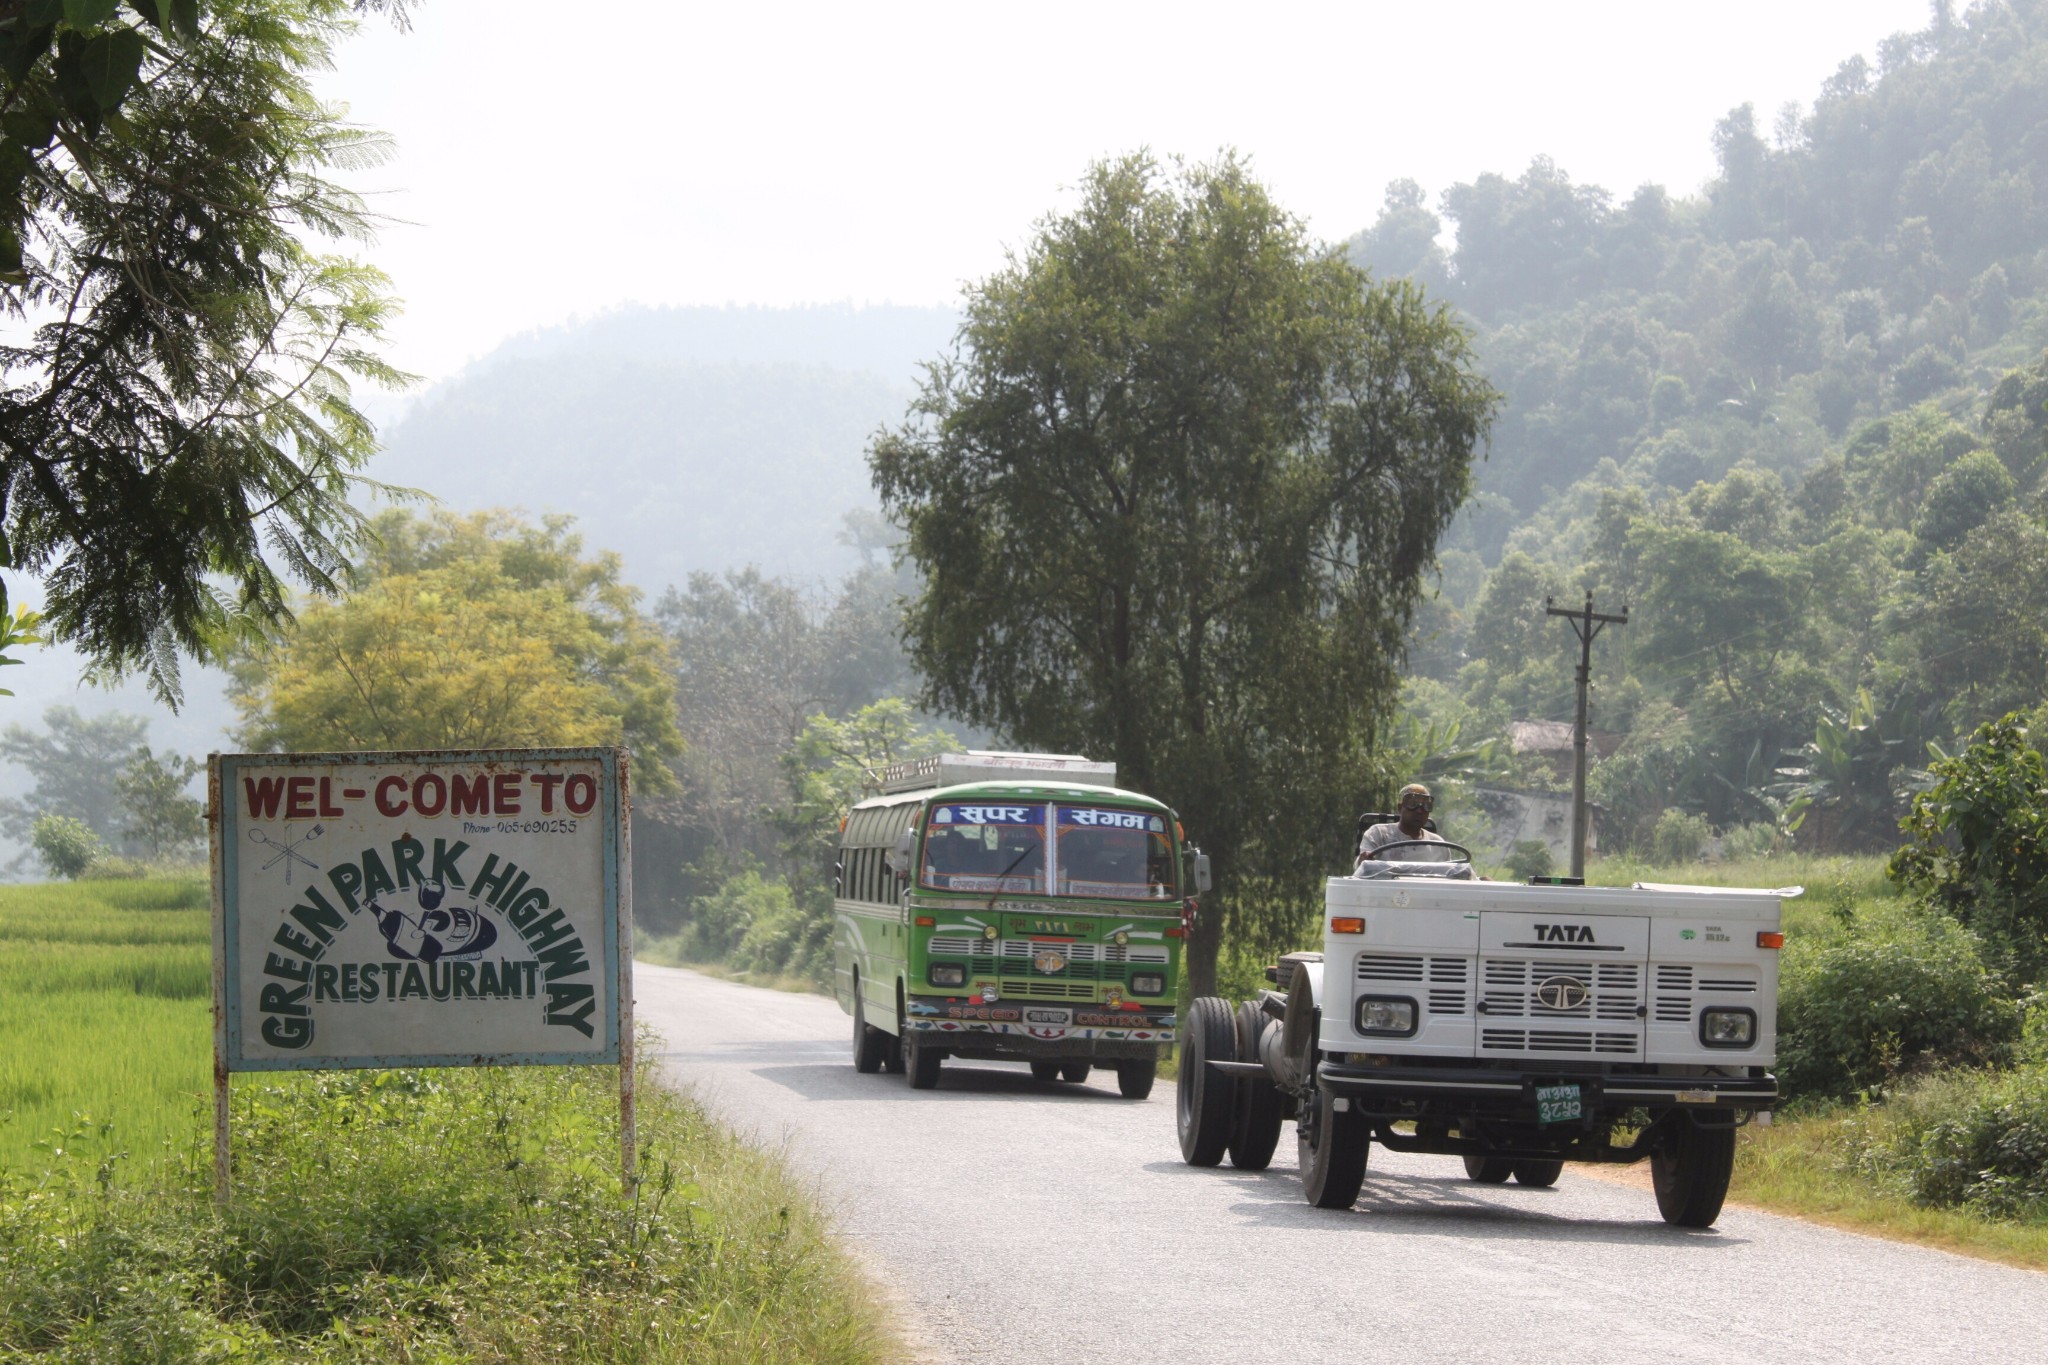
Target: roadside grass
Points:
(417, 1216)
(105, 1004)
(436, 1216)
(1798, 1166)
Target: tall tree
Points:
(77, 762)
(470, 632)
(1173, 497)
(177, 432)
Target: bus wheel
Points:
(1076, 1072)
(1134, 1079)
(921, 1061)
(870, 1045)
(1204, 1101)
(892, 1050)
(1045, 1071)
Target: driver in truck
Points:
(1415, 806)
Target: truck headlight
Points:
(1728, 1027)
(1148, 983)
(948, 974)
(1387, 1015)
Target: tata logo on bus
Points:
(1052, 926)
(1564, 933)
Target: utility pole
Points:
(1586, 623)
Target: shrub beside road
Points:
(395, 1215)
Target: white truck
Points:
(1518, 1026)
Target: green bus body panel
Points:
(1045, 975)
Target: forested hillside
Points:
(1795, 423)
(687, 440)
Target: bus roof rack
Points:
(995, 765)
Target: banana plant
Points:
(1855, 774)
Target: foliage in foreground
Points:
(1906, 990)
(424, 1215)
(177, 417)
(1970, 1140)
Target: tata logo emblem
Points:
(1564, 933)
(1561, 993)
(1049, 960)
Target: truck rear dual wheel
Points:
(1045, 1071)
(1333, 1145)
(1690, 1170)
(1540, 1174)
(1488, 1170)
(1261, 1108)
(1204, 1101)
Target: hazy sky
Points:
(550, 166)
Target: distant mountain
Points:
(686, 439)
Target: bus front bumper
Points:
(1024, 1021)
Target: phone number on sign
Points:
(521, 827)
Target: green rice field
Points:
(105, 1019)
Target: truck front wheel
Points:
(1203, 1100)
(1333, 1145)
(1691, 1169)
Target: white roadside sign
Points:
(421, 909)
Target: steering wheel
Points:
(1420, 851)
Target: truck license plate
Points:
(1041, 1014)
(1558, 1103)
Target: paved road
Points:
(1055, 1223)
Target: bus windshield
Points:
(1119, 853)
(985, 847)
(1098, 851)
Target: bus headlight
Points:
(1728, 1027)
(1386, 1015)
(948, 974)
(1148, 983)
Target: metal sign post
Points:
(462, 908)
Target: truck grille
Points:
(947, 945)
(1559, 1040)
(1513, 987)
(1677, 984)
(1041, 989)
(1447, 980)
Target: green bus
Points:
(1012, 907)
